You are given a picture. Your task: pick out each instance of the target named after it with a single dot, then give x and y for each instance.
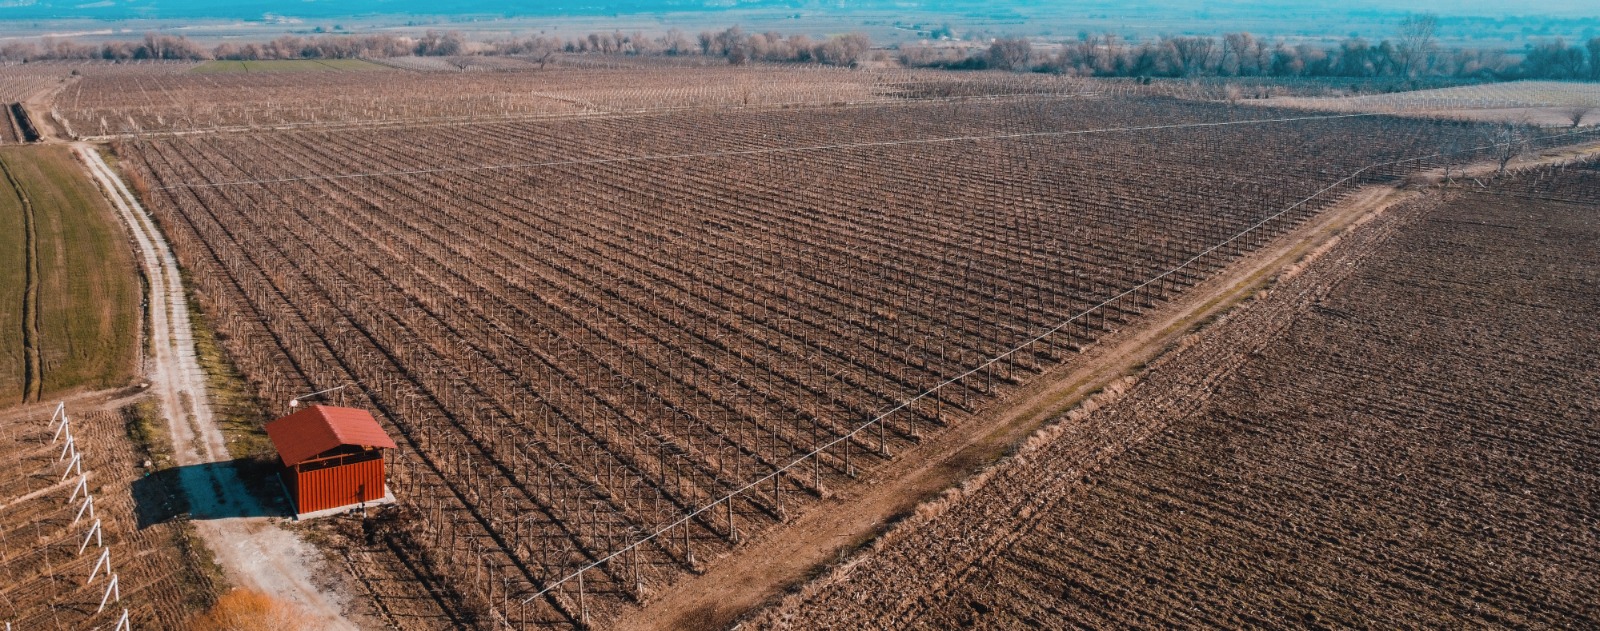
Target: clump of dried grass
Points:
(247, 610)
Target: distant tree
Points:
(1507, 141)
(1355, 58)
(1594, 58)
(1240, 55)
(1148, 59)
(728, 40)
(843, 50)
(1553, 60)
(434, 43)
(1286, 61)
(676, 43)
(1113, 58)
(543, 49)
(1191, 55)
(1416, 43)
(1010, 53)
(1576, 114)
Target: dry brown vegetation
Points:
(246, 610)
(1400, 435)
(582, 329)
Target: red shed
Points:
(332, 457)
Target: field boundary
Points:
(33, 363)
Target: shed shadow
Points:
(241, 487)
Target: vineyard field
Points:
(1400, 434)
(48, 548)
(613, 347)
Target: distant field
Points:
(288, 65)
(1537, 102)
(85, 296)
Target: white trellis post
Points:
(111, 589)
(64, 428)
(105, 560)
(76, 461)
(82, 485)
(94, 533)
(88, 505)
(122, 623)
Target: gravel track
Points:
(253, 551)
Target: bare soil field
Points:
(588, 333)
(1399, 433)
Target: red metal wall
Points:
(342, 485)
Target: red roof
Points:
(317, 429)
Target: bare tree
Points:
(1594, 58)
(843, 50)
(1192, 55)
(1507, 141)
(1011, 53)
(1576, 114)
(544, 49)
(1416, 42)
(1240, 54)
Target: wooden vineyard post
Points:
(688, 552)
(583, 605)
(848, 470)
(733, 529)
(777, 495)
(638, 582)
(816, 473)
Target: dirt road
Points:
(767, 567)
(253, 552)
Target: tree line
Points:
(176, 47)
(733, 44)
(1413, 52)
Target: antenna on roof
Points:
(295, 402)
